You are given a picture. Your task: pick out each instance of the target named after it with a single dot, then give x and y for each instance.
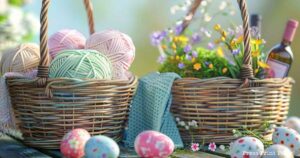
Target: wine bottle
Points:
(280, 57)
(255, 24)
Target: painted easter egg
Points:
(278, 151)
(247, 147)
(101, 146)
(288, 137)
(153, 144)
(293, 122)
(72, 144)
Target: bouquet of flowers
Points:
(196, 54)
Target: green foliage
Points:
(17, 3)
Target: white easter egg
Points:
(293, 122)
(288, 137)
(278, 151)
(101, 146)
(249, 147)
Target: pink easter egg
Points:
(65, 39)
(72, 144)
(153, 144)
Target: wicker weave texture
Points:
(101, 107)
(220, 105)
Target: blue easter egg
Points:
(101, 146)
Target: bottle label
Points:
(277, 69)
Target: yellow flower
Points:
(177, 57)
(172, 58)
(257, 42)
(263, 65)
(223, 39)
(232, 44)
(255, 53)
(193, 60)
(211, 66)
(240, 39)
(197, 66)
(175, 39)
(183, 39)
(173, 46)
(224, 70)
(217, 41)
(256, 71)
(164, 47)
(220, 52)
(217, 27)
(224, 34)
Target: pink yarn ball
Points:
(65, 39)
(117, 46)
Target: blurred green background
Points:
(139, 18)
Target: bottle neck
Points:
(286, 42)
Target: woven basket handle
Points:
(43, 68)
(246, 70)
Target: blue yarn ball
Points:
(82, 64)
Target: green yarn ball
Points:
(81, 64)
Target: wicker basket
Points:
(46, 109)
(220, 105)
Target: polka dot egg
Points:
(72, 144)
(101, 147)
(153, 144)
(288, 137)
(247, 147)
(278, 151)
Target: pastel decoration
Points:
(22, 58)
(73, 143)
(288, 137)
(82, 64)
(247, 147)
(153, 144)
(117, 46)
(6, 113)
(101, 147)
(278, 151)
(64, 40)
(293, 122)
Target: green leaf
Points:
(16, 2)
(3, 18)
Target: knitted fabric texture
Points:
(150, 109)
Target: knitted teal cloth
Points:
(150, 108)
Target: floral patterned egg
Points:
(288, 137)
(278, 151)
(153, 144)
(101, 147)
(72, 144)
(293, 122)
(247, 147)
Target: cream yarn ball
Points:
(22, 58)
(65, 39)
(117, 46)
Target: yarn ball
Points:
(117, 46)
(81, 64)
(65, 39)
(22, 58)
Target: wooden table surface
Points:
(10, 148)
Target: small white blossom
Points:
(222, 147)
(177, 119)
(187, 127)
(174, 9)
(182, 123)
(204, 3)
(207, 18)
(223, 5)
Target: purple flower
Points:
(161, 59)
(178, 29)
(181, 65)
(235, 52)
(188, 57)
(157, 37)
(195, 54)
(210, 46)
(196, 38)
(187, 48)
(207, 63)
